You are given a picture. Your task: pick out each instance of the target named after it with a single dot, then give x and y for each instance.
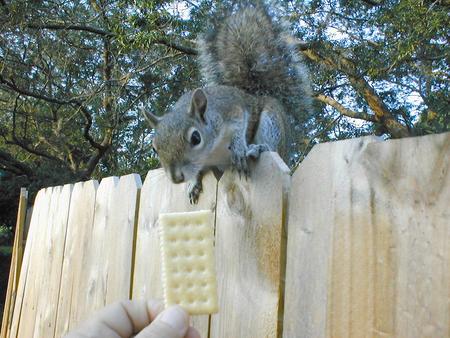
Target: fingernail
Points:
(176, 317)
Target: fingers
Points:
(126, 318)
(171, 323)
(192, 333)
(129, 317)
(123, 319)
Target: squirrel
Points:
(255, 82)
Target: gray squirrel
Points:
(255, 82)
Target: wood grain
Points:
(410, 198)
(369, 234)
(159, 195)
(50, 266)
(34, 275)
(76, 256)
(34, 224)
(249, 229)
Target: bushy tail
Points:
(252, 52)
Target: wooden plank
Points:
(34, 223)
(16, 262)
(50, 266)
(38, 272)
(79, 228)
(160, 195)
(368, 247)
(121, 236)
(19, 240)
(109, 253)
(410, 198)
(92, 286)
(33, 283)
(323, 195)
(249, 250)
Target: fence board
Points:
(316, 189)
(106, 276)
(16, 262)
(120, 237)
(411, 212)
(50, 266)
(249, 227)
(79, 228)
(160, 195)
(38, 203)
(34, 285)
(94, 285)
(368, 246)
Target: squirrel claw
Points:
(194, 191)
(240, 165)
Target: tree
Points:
(73, 76)
(381, 62)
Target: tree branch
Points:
(72, 27)
(79, 104)
(92, 163)
(345, 111)
(11, 85)
(26, 147)
(87, 129)
(162, 41)
(13, 165)
(372, 2)
(185, 49)
(343, 64)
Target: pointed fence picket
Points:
(355, 244)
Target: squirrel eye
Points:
(195, 138)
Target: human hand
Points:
(144, 318)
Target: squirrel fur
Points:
(255, 82)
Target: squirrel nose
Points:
(178, 179)
(177, 175)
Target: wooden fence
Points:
(355, 244)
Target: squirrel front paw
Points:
(239, 162)
(195, 188)
(254, 150)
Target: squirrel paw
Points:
(239, 163)
(254, 150)
(194, 190)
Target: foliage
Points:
(5, 237)
(385, 61)
(74, 75)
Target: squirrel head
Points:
(181, 137)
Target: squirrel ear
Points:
(198, 103)
(152, 119)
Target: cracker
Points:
(188, 271)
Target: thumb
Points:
(171, 323)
